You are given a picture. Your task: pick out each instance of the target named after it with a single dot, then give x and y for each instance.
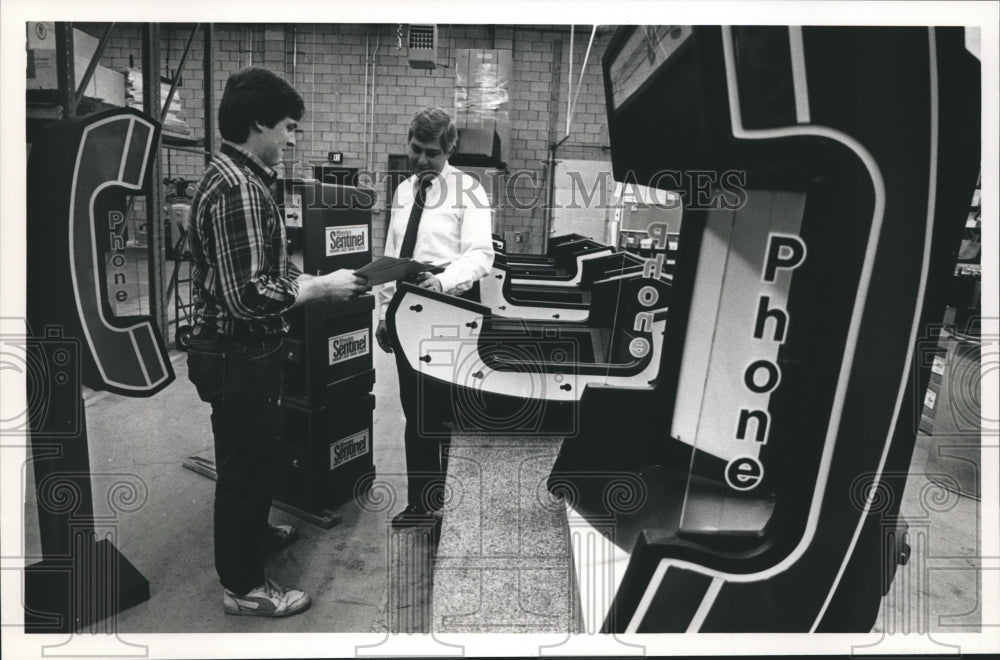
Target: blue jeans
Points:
(242, 382)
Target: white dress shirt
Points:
(456, 228)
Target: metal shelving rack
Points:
(180, 280)
(47, 106)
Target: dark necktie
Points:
(410, 237)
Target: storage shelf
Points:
(179, 140)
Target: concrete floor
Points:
(364, 578)
(940, 589)
(169, 537)
(348, 568)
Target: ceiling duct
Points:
(421, 43)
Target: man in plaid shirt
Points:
(243, 284)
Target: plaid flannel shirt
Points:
(243, 280)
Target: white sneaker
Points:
(268, 600)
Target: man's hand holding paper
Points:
(391, 269)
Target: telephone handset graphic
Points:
(856, 177)
(79, 176)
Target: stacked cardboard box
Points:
(172, 123)
(106, 84)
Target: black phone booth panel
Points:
(787, 365)
(546, 304)
(461, 343)
(79, 271)
(566, 266)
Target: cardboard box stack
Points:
(172, 123)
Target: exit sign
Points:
(335, 157)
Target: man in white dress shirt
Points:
(441, 216)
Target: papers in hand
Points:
(389, 269)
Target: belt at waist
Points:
(242, 335)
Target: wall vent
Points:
(421, 42)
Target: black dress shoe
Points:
(415, 516)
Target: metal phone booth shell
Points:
(570, 259)
(592, 264)
(534, 370)
(549, 291)
(534, 260)
(566, 260)
(543, 302)
(79, 175)
(788, 365)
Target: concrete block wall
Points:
(537, 122)
(363, 110)
(234, 47)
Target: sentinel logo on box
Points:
(349, 448)
(346, 240)
(348, 346)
